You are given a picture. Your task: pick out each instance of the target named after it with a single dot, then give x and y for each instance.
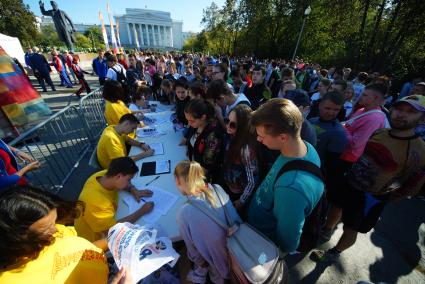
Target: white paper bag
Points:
(139, 249)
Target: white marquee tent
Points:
(13, 47)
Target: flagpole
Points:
(113, 39)
(104, 34)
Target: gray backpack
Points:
(253, 258)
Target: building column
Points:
(159, 35)
(129, 34)
(167, 36)
(171, 37)
(147, 33)
(136, 40)
(153, 41)
(141, 35)
(162, 32)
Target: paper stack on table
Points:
(150, 131)
(163, 201)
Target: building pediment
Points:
(148, 14)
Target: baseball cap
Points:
(298, 96)
(416, 101)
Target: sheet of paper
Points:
(162, 167)
(163, 201)
(151, 217)
(157, 147)
(132, 204)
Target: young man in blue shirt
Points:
(100, 67)
(279, 207)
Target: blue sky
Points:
(86, 11)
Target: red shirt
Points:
(123, 63)
(10, 169)
(69, 60)
(57, 63)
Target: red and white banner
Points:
(105, 35)
(113, 39)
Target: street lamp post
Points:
(306, 13)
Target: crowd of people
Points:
(66, 65)
(245, 122)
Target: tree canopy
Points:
(17, 20)
(378, 35)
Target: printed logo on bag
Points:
(160, 245)
(150, 249)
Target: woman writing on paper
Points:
(205, 240)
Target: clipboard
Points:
(155, 168)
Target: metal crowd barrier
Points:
(60, 142)
(91, 108)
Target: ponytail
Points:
(194, 176)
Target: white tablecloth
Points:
(167, 223)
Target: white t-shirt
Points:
(112, 74)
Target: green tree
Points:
(17, 20)
(94, 34)
(197, 43)
(82, 42)
(369, 35)
(48, 38)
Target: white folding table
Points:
(172, 151)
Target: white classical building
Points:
(142, 28)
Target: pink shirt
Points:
(359, 132)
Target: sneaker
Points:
(197, 275)
(328, 256)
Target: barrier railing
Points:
(91, 108)
(60, 142)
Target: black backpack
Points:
(317, 218)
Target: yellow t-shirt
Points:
(111, 145)
(114, 111)
(70, 259)
(100, 208)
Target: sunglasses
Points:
(231, 124)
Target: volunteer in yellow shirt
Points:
(115, 108)
(113, 93)
(100, 196)
(112, 142)
(35, 249)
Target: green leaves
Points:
(379, 35)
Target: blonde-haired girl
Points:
(205, 240)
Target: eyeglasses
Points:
(231, 124)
